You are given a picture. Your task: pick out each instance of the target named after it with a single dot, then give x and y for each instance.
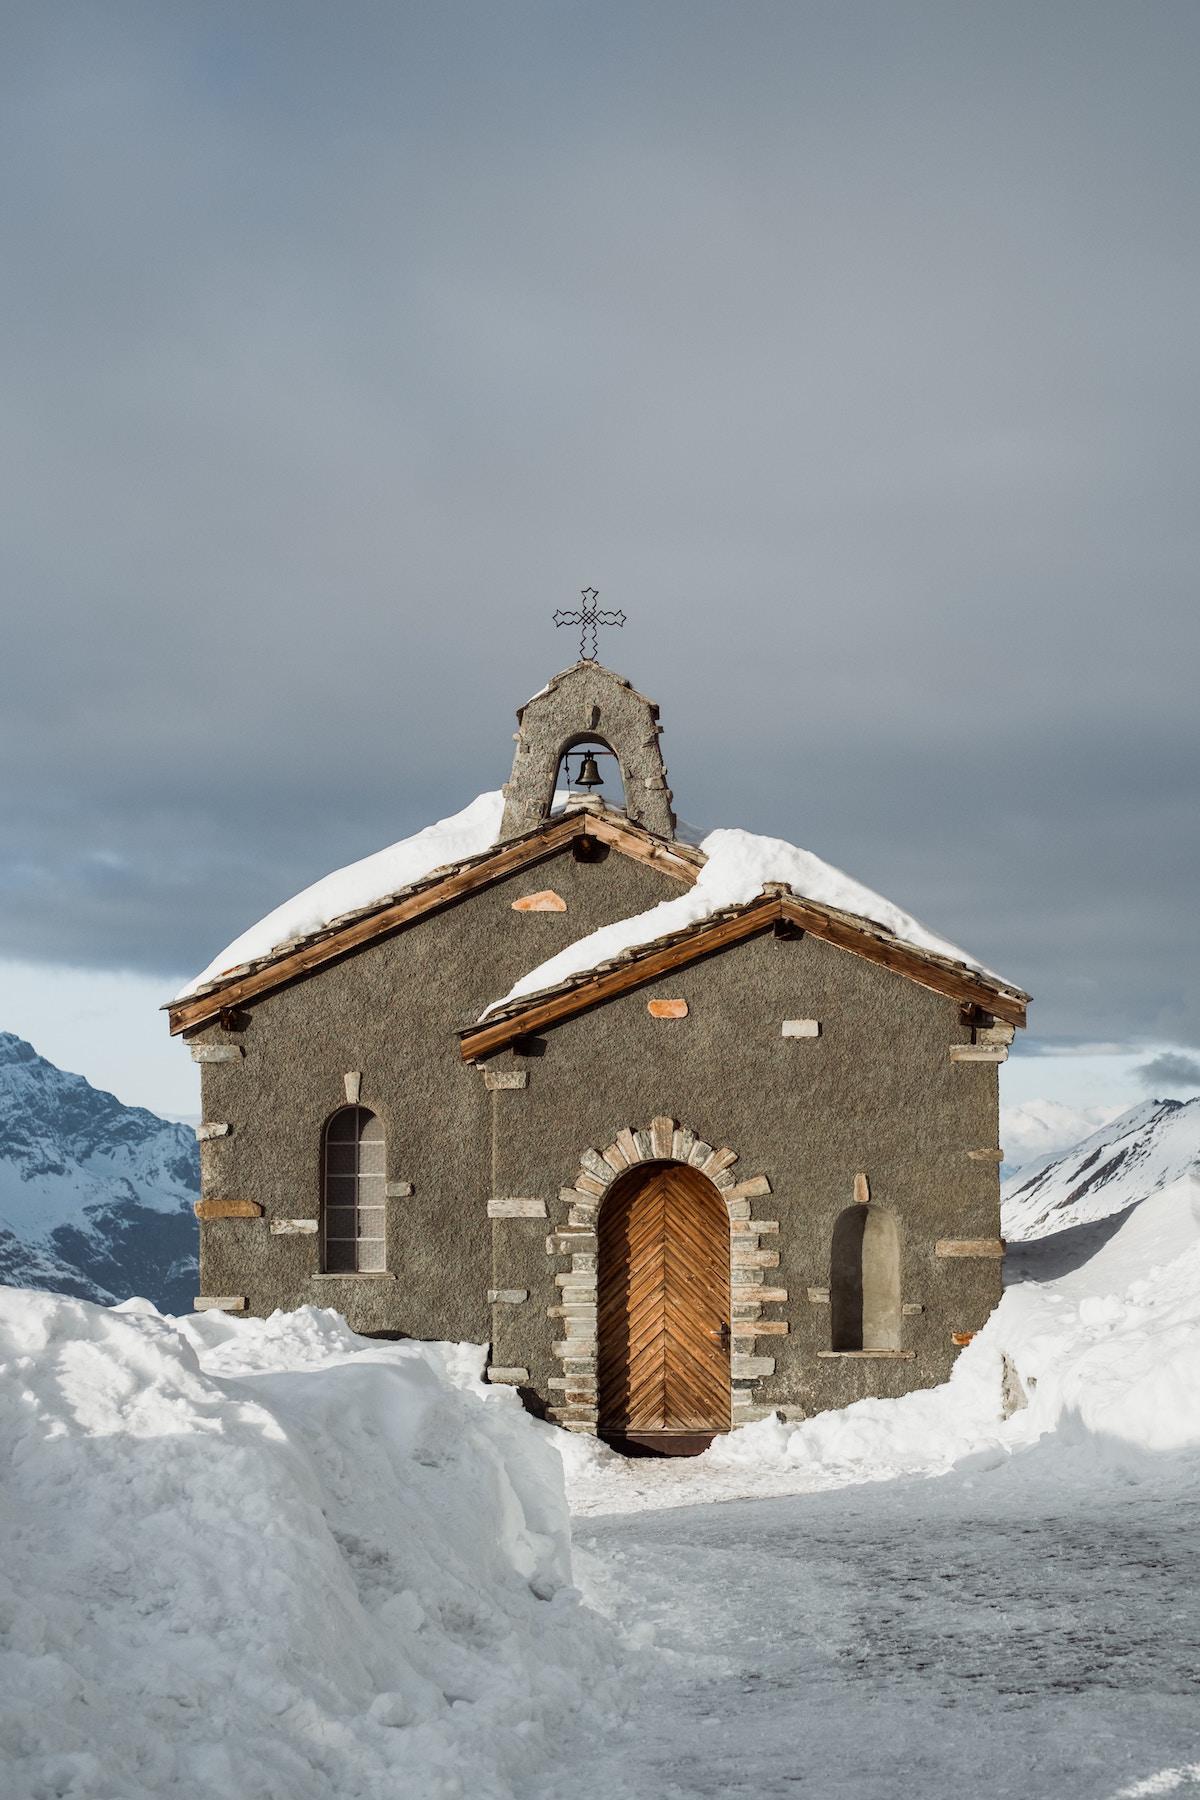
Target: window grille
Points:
(353, 1191)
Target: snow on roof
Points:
(738, 864)
(362, 884)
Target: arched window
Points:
(353, 1189)
(864, 1280)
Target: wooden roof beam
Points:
(337, 941)
(481, 1040)
(951, 980)
(954, 980)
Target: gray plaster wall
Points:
(588, 702)
(391, 1013)
(875, 1093)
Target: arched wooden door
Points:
(663, 1309)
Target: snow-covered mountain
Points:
(95, 1197)
(1043, 1128)
(1133, 1156)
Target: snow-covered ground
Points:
(275, 1560)
(1021, 1630)
(921, 1596)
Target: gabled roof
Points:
(440, 887)
(504, 1024)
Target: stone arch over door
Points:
(753, 1255)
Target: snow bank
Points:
(265, 1558)
(464, 834)
(739, 863)
(1108, 1351)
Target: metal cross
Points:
(588, 618)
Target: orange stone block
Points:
(667, 1009)
(544, 901)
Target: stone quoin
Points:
(741, 1162)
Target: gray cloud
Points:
(850, 351)
(1169, 1070)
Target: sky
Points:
(849, 349)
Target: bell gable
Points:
(588, 704)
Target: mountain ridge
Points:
(1124, 1161)
(96, 1197)
(1035, 1130)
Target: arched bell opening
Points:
(588, 705)
(864, 1280)
(588, 764)
(663, 1312)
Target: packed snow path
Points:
(1005, 1633)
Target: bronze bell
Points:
(589, 773)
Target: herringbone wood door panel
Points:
(663, 1304)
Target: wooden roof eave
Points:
(441, 888)
(844, 930)
(942, 974)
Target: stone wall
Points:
(804, 1078)
(385, 1017)
(864, 1103)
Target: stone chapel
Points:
(680, 1159)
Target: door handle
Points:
(722, 1336)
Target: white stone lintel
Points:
(515, 1206)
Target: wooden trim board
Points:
(227, 1209)
(950, 980)
(481, 1040)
